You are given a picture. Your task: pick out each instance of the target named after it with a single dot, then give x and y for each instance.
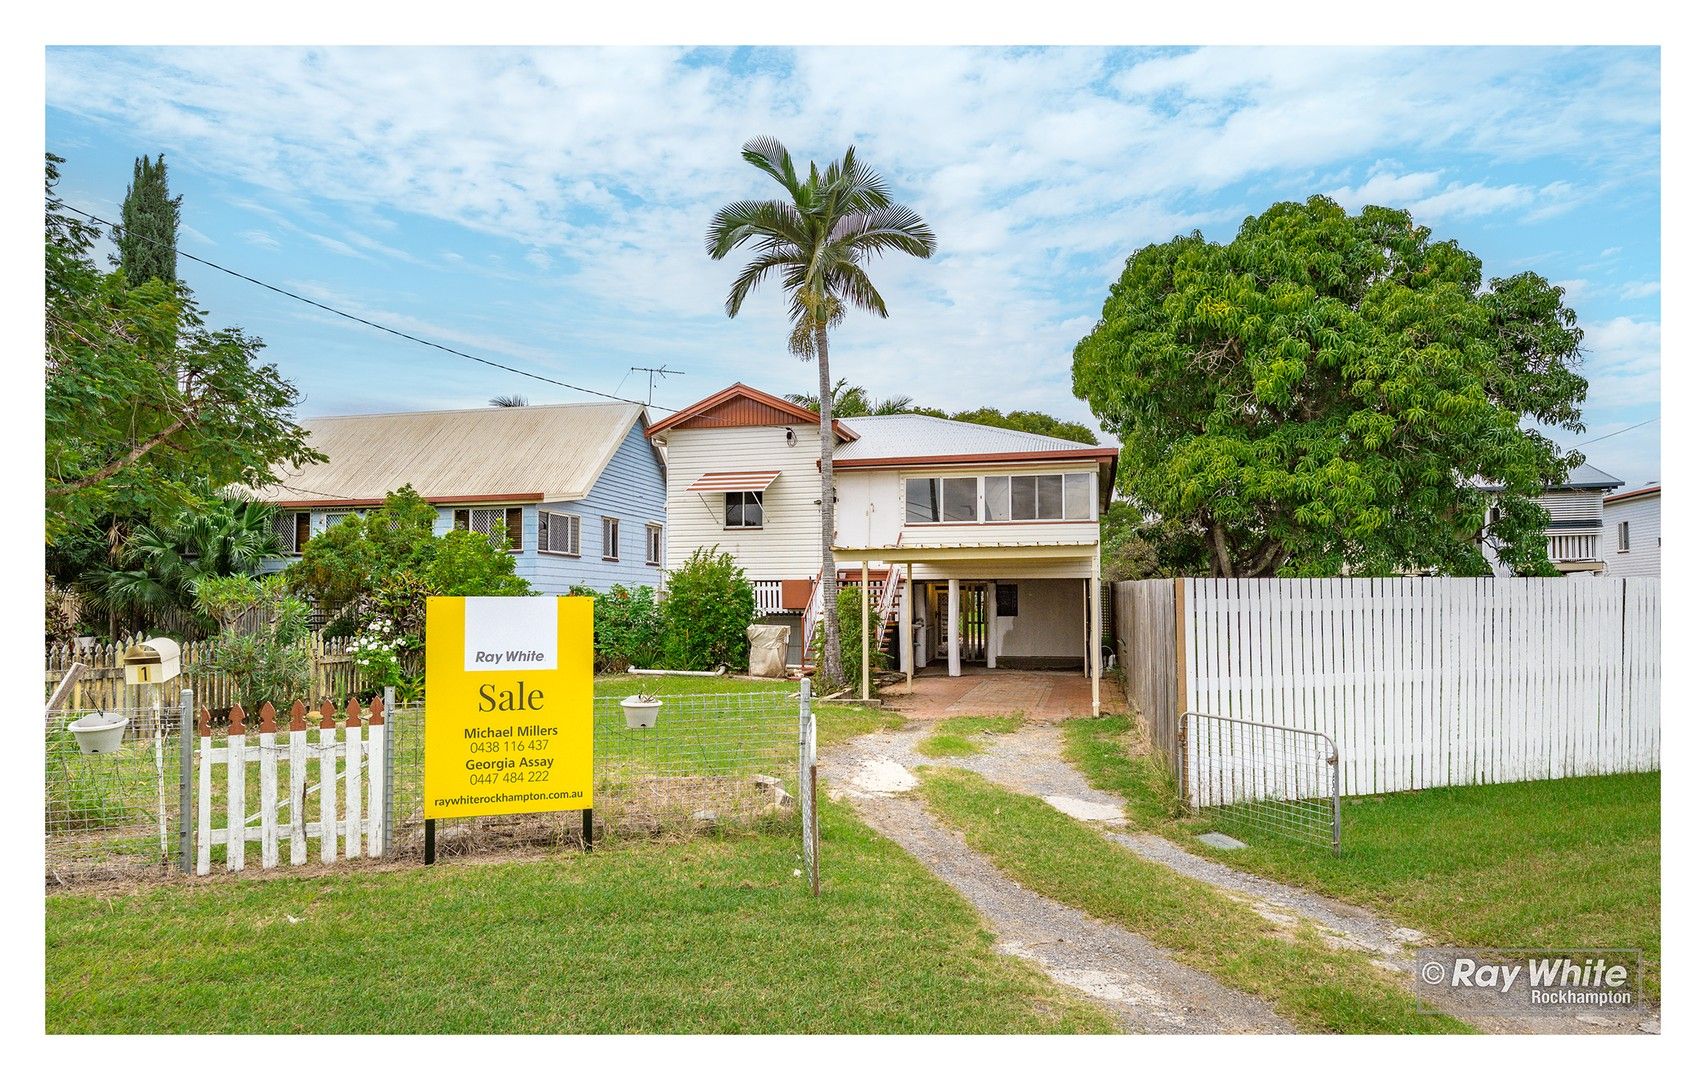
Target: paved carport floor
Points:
(1037, 695)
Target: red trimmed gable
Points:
(742, 406)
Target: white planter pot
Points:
(99, 733)
(641, 714)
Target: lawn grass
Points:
(1549, 864)
(836, 721)
(1314, 985)
(964, 736)
(717, 935)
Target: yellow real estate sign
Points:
(508, 705)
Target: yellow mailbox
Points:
(151, 662)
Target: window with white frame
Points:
(1622, 536)
(292, 529)
(1041, 497)
(743, 509)
(559, 534)
(654, 545)
(941, 499)
(501, 523)
(613, 539)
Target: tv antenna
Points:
(653, 374)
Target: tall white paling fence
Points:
(1419, 682)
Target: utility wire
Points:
(357, 318)
(1619, 431)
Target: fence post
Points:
(808, 783)
(186, 770)
(390, 717)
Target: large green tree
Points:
(147, 235)
(1332, 392)
(147, 409)
(818, 240)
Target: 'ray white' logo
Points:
(1522, 979)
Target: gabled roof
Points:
(911, 436)
(530, 453)
(1583, 476)
(742, 406)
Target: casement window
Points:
(559, 534)
(292, 529)
(1622, 536)
(743, 509)
(498, 522)
(1045, 497)
(613, 539)
(952, 498)
(654, 545)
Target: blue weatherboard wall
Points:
(630, 488)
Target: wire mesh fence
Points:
(112, 798)
(709, 761)
(1267, 778)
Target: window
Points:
(292, 529)
(1007, 600)
(1048, 497)
(952, 498)
(559, 534)
(654, 545)
(335, 518)
(497, 522)
(743, 509)
(613, 539)
(1622, 536)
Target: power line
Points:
(357, 318)
(1619, 431)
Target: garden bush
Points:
(706, 612)
(627, 628)
(269, 663)
(847, 619)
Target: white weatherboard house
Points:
(576, 489)
(1632, 533)
(984, 542)
(1574, 540)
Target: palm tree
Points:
(818, 240)
(849, 400)
(507, 401)
(161, 566)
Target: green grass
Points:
(964, 736)
(717, 935)
(836, 722)
(1550, 864)
(1314, 985)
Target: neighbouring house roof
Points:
(742, 406)
(909, 437)
(1639, 493)
(750, 480)
(529, 453)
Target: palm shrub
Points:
(708, 606)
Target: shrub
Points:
(706, 612)
(627, 628)
(847, 604)
(269, 663)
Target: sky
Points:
(546, 208)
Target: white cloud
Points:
(260, 238)
(1637, 290)
(1621, 362)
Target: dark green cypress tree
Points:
(147, 237)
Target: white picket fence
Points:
(1421, 682)
(313, 768)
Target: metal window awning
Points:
(747, 480)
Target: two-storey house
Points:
(577, 489)
(980, 545)
(1574, 539)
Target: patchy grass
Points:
(964, 736)
(836, 722)
(712, 936)
(1314, 985)
(1547, 864)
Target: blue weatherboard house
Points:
(578, 489)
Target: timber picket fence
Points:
(312, 768)
(1420, 682)
(331, 666)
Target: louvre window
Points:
(559, 534)
(502, 523)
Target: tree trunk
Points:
(826, 450)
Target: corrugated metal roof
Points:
(911, 435)
(752, 480)
(1586, 476)
(554, 451)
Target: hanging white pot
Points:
(641, 710)
(99, 732)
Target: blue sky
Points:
(546, 208)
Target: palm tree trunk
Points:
(826, 449)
